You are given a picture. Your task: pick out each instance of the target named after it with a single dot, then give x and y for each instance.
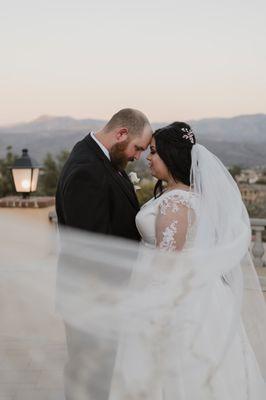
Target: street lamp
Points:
(25, 171)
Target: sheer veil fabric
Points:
(150, 324)
(185, 324)
(206, 340)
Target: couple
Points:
(95, 194)
(196, 317)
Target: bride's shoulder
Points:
(175, 197)
(171, 198)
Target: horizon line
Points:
(51, 117)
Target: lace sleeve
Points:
(172, 224)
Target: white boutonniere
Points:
(134, 180)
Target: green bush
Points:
(50, 173)
(6, 181)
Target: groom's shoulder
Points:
(84, 147)
(83, 161)
(82, 171)
(84, 152)
(85, 164)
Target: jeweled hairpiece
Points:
(188, 134)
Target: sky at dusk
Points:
(171, 59)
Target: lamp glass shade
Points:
(34, 180)
(25, 179)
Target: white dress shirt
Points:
(103, 148)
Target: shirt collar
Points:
(103, 148)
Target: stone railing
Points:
(258, 225)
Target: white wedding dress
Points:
(170, 364)
(181, 316)
(167, 215)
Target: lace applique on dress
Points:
(173, 200)
(173, 220)
(168, 242)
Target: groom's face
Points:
(130, 149)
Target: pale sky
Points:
(171, 59)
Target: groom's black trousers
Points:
(89, 369)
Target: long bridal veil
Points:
(223, 232)
(130, 322)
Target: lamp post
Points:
(25, 171)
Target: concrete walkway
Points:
(32, 337)
(31, 371)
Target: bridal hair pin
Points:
(188, 134)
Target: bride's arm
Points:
(171, 225)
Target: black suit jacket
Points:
(93, 196)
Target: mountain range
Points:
(239, 140)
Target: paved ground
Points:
(31, 372)
(32, 339)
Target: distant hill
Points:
(244, 128)
(239, 140)
(50, 124)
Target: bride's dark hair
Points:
(173, 144)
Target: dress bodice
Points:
(167, 205)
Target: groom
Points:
(94, 192)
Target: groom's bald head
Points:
(134, 120)
(126, 136)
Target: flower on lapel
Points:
(134, 180)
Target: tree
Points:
(61, 159)
(6, 180)
(256, 210)
(146, 192)
(48, 176)
(235, 170)
(50, 173)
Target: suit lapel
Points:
(125, 175)
(123, 181)
(95, 148)
(125, 185)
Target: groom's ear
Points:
(121, 134)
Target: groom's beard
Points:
(118, 156)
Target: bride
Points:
(202, 339)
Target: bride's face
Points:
(156, 164)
